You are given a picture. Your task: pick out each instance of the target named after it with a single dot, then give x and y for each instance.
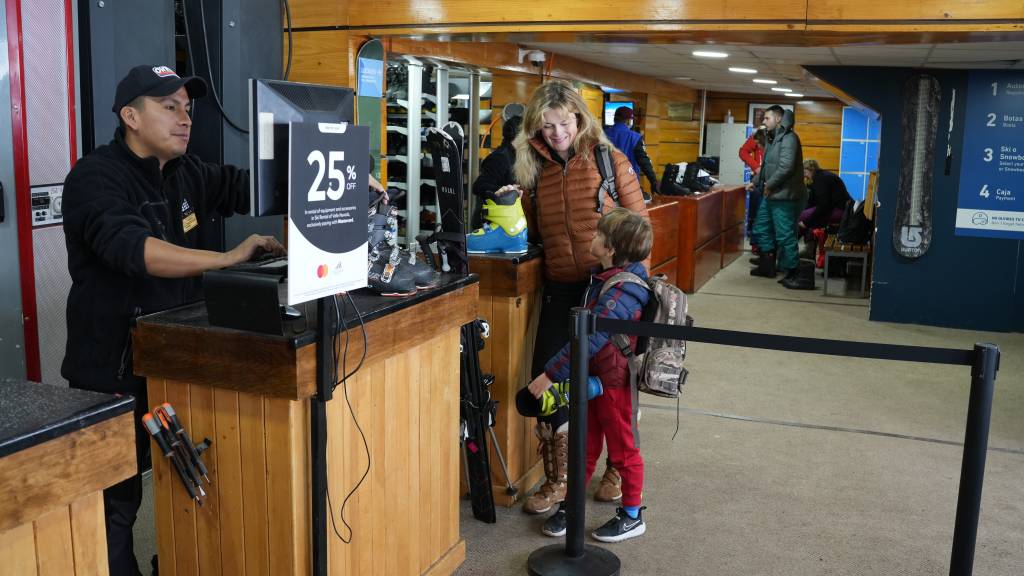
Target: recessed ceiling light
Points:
(764, 81)
(742, 70)
(683, 78)
(709, 54)
(778, 89)
(794, 95)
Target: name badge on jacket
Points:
(188, 216)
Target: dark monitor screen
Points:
(273, 105)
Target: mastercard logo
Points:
(321, 271)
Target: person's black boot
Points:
(765, 266)
(802, 278)
(789, 275)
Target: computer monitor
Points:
(611, 107)
(273, 104)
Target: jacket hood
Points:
(787, 122)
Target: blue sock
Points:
(633, 511)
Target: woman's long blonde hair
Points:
(554, 95)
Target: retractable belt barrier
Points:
(576, 558)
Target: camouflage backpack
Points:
(657, 363)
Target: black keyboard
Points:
(275, 266)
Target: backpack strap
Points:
(607, 169)
(621, 341)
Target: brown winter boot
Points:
(554, 450)
(610, 489)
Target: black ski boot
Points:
(800, 278)
(383, 227)
(385, 273)
(765, 265)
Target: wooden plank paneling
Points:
(208, 527)
(186, 548)
(89, 535)
(672, 152)
(321, 57)
(828, 135)
(508, 87)
(226, 474)
(406, 12)
(18, 549)
(54, 551)
(163, 481)
(818, 112)
(278, 423)
(60, 471)
(253, 454)
(827, 156)
(311, 13)
(919, 10)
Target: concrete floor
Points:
(795, 463)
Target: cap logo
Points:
(164, 72)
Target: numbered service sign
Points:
(991, 196)
(327, 203)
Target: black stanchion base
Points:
(552, 561)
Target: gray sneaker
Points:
(621, 527)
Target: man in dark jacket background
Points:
(785, 194)
(132, 214)
(631, 143)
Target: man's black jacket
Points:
(113, 200)
(827, 192)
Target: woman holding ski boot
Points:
(557, 155)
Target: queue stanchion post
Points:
(972, 471)
(575, 557)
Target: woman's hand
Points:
(509, 188)
(540, 385)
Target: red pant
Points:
(610, 419)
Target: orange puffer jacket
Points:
(565, 216)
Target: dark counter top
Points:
(32, 413)
(534, 251)
(302, 331)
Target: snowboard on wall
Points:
(912, 226)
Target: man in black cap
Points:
(132, 214)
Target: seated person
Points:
(825, 202)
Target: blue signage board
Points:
(991, 196)
(371, 77)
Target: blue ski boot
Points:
(504, 229)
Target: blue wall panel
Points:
(961, 282)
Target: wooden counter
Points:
(250, 393)
(59, 448)
(710, 234)
(664, 214)
(510, 292)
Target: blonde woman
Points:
(557, 175)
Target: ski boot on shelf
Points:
(383, 228)
(504, 229)
(385, 273)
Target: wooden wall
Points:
(70, 540)
(818, 122)
(669, 140)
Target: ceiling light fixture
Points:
(683, 78)
(739, 70)
(709, 54)
(794, 95)
(764, 81)
(778, 89)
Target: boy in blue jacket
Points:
(623, 241)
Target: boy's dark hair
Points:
(777, 110)
(138, 103)
(628, 234)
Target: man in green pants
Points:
(781, 178)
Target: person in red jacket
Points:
(752, 154)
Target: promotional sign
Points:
(371, 77)
(327, 204)
(991, 197)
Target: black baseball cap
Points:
(147, 80)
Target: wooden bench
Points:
(836, 249)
